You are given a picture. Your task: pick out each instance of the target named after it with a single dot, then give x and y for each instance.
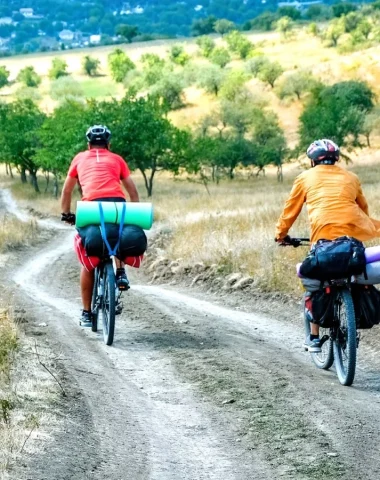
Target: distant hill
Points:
(42, 25)
(31, 25)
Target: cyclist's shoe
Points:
(86, 319)
(122, 281)
(312, 346)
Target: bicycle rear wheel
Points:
(95, 301)
(345, 338)
(325, 358)
(108, 304)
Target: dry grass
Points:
(15, 234)
(234, 227)
(27, 393)
(42, 203)
(8, 344)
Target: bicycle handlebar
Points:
(294, 242)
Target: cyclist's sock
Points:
(120, 270)
(86, 311)
(314, 337)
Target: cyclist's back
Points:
(99, 172)
(336, 205)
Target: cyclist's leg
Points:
(86, 286)
(314, 329)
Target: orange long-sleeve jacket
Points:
(335, 203)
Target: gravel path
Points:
(192, 389)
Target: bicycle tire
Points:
(325, 358)
(344, 338)
(108, 304)
(95, 302)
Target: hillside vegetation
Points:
(227, 113)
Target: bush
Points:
(29, 77)
(265, 21)
(4, 76)
(233, 85)
(256, 64)
(220, 56)
(30, 93)
(170, 90)
(206, 45)
(58, 69)
(66, 88)
(178, 55)
(119, 64)
(285, 26)
(90, 65)
(296, 84)
(270, 72)
(224, 26)
(239, 44)
(211, 79)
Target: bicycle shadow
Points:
(164, 341)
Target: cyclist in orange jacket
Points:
(335, 204)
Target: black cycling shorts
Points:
(109, 199)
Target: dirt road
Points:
(192, 390)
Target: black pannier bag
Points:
(133, 241)
(321, 306)
(366, 300)
(331, 260)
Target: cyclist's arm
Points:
(292, 209)
(67, 191)
(361, 200)
(130, 186)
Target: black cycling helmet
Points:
(98, 135)
(323, 152)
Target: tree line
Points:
(239, 133)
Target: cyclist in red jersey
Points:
(101, 175)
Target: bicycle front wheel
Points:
(345, 338)
(108, 304)
(325, 358)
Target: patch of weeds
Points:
(5, 411)
(8, 342)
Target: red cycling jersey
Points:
(99, 172)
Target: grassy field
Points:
(303, 51)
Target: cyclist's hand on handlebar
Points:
(289, 241)
(68, 218)
(283, 241)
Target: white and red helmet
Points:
(323, 151)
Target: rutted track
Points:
(192, 390)
(146, 422)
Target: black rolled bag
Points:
(133, 241)
(335, 259)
